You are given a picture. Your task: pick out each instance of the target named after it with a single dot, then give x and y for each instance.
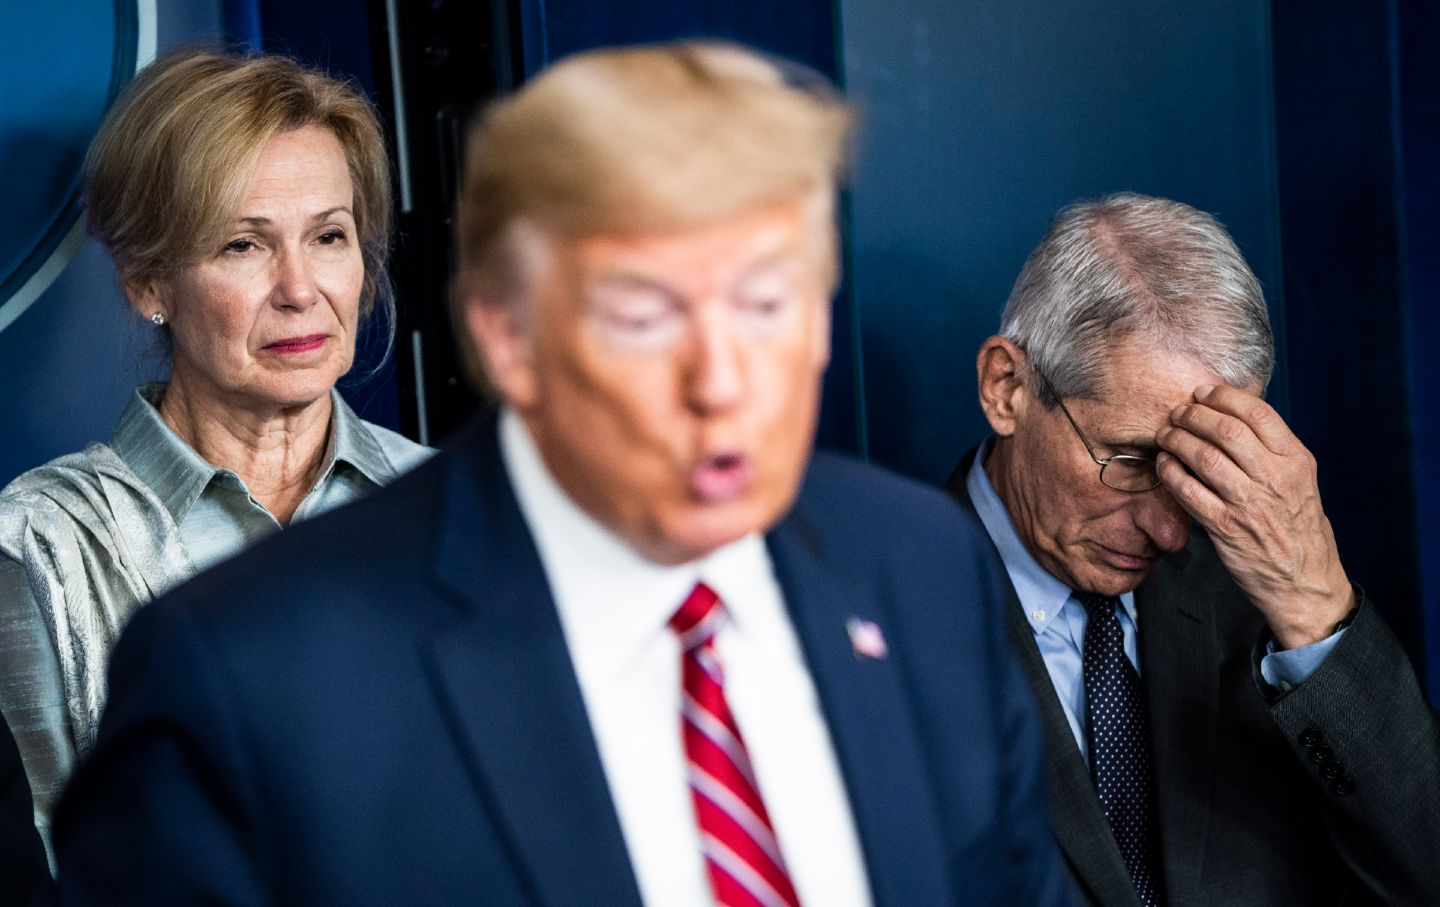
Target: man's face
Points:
(1084, 533)
(671, 381)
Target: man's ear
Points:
(503, 343)
(999, 370)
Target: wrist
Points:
(1316, 622)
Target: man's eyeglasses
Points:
(1121, 472)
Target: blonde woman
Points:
(246, 204)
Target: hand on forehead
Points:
(1237, 468)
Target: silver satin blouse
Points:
(88, 538)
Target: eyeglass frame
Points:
(1102, 462)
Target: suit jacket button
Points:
(1332, 770)
(1343, 787)
(1309, 737)
(1322, 754)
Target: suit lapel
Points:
(1076, 818)
(505, 675)
(875, 736)
(1178, 660)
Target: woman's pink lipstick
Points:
(292, 345)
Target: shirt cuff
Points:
(1288, 668)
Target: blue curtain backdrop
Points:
(1343, 226)
(1415, 36)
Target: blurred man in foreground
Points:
(1229, 720)
(631, 644)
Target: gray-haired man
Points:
(1229, 720)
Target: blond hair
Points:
(169, 168)
(642, 139)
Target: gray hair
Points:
(1131, 265)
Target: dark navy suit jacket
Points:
(24, 873)
(378, 707)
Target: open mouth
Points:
(721, 477)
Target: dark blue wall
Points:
(982, 120)
(802, 30)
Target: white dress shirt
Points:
(614, 608)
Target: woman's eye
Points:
(330, 237)
(239, 246)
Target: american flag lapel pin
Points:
(866, 639)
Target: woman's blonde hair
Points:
(642, 139)
(169, 168)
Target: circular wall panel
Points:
(61, 64)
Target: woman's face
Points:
(266, 321)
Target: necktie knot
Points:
(1095, 603)
(698, 618)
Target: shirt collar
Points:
(172, 469)
(353, 444)
(1041, 595)
(178, 475)
(613, 602)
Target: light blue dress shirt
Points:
(1058, 618)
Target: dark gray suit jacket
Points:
(1246, 817)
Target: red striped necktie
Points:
(742, 856)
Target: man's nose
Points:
(1161, 517)
(716, 380)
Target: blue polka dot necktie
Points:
(1119, 740)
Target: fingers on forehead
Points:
(1260, 417)
(1215, 423)
(1223, 468)
(1197, 500)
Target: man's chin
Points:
(1106, 579)
(702, 530)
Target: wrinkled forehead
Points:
(1143, 382)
